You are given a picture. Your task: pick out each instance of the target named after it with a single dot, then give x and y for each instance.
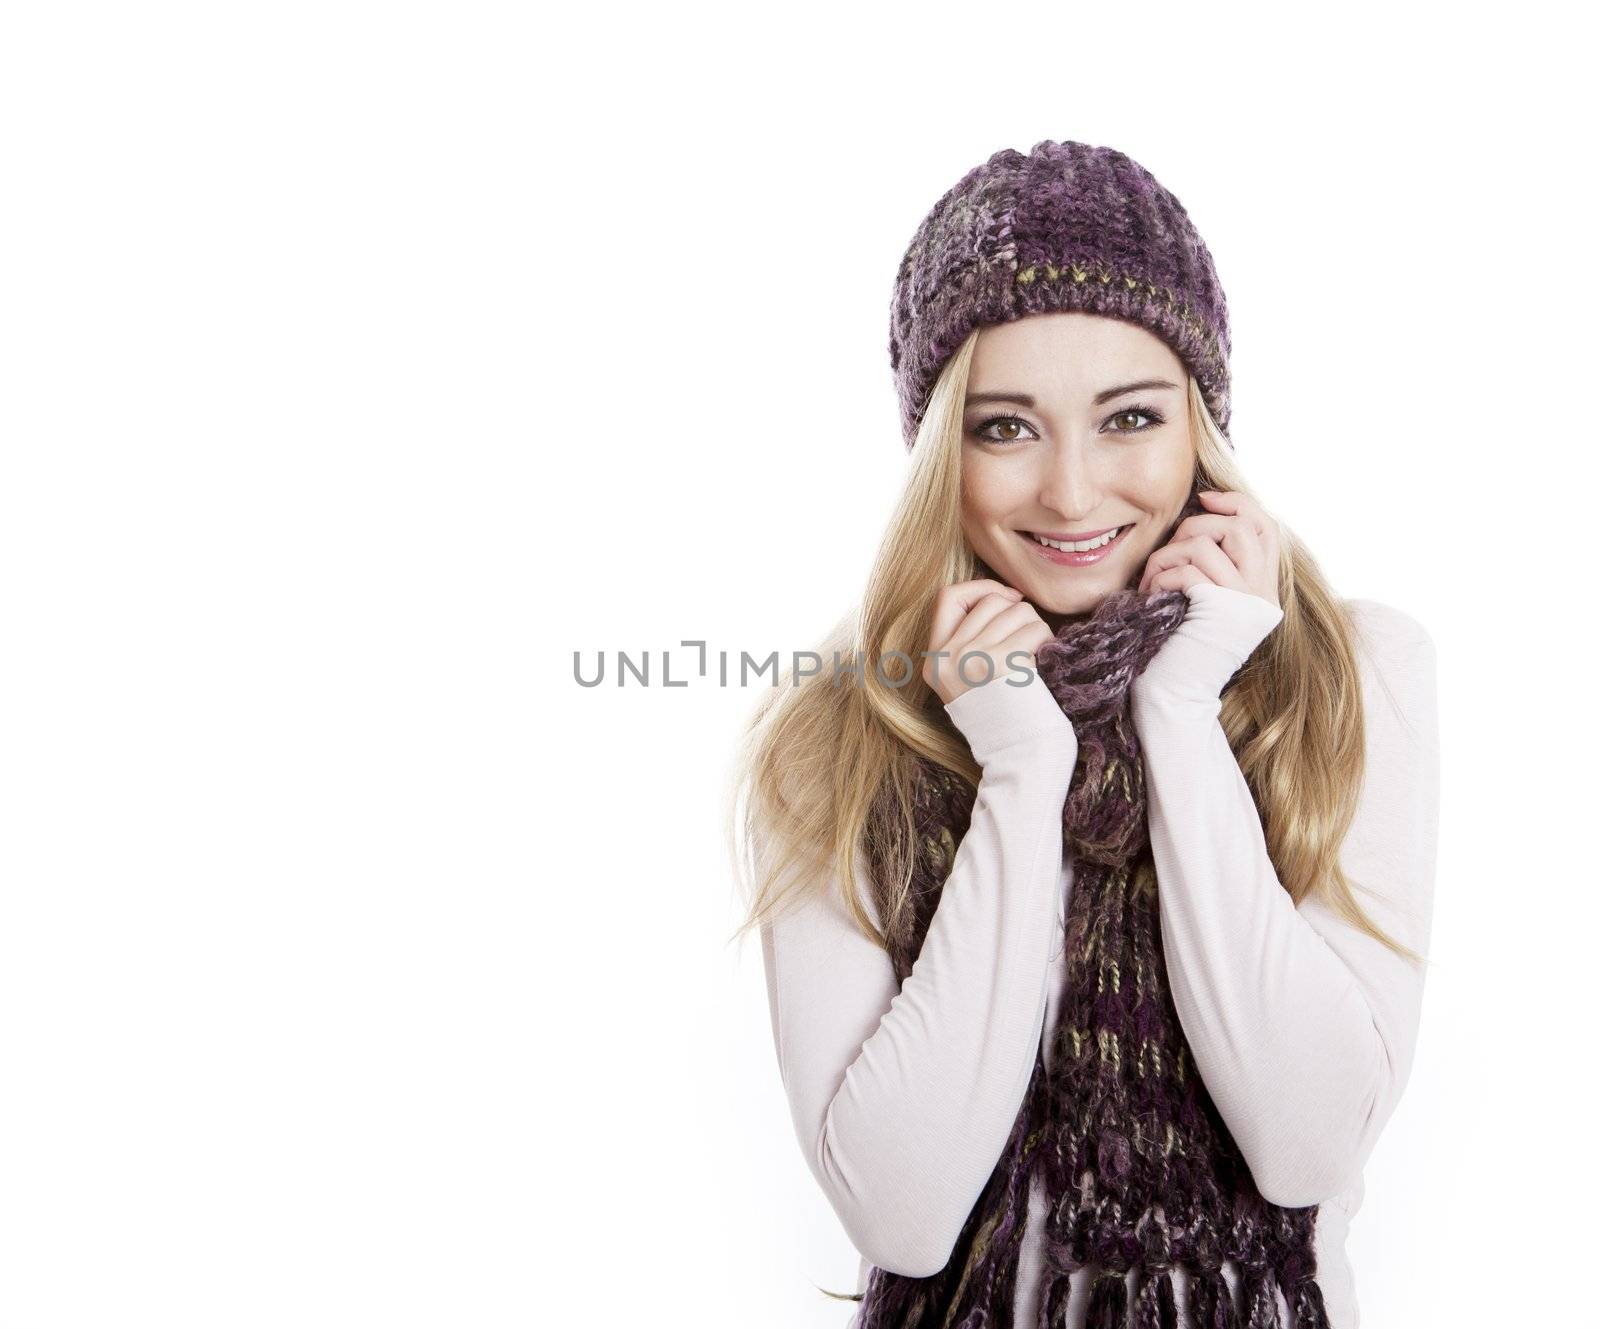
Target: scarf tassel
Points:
(1057, 1293)
(1108, 1302)
(1210, 1302)
(1309, 1310)
(1155, 1306)
(1261, 1299)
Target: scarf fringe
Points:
(1210, 1302)
(1155, 1306)
(1309, 1310)
(1108, 1302)
(1057, 1293)
(1260, 1299)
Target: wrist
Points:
(1221, 630)
(999, 715)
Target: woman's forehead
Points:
(1068, 353)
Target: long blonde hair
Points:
(816, 755)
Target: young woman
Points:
(1079, 1015)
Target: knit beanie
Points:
(1065, 227)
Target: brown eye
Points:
(1007, 422)
(1136, 413)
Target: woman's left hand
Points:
(1233, 544)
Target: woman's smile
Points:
(1079, 552)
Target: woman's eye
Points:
(1004, 422)
(1137, 414)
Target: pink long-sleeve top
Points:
(1303, 1028)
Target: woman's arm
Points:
(903, 1100)
(1303, 1028)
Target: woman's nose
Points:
(1069, 484)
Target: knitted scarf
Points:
(1139, 1168)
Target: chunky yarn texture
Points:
(1067, 226)
(1140, 1170)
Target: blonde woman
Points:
(1094, 901)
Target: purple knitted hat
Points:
(1067, 226)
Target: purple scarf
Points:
(1140, 1170)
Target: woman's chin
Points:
(1071, 600)
(1059, 609)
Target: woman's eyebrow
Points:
(1026, 399)
(1143, 385)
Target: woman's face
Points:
(1075, 424)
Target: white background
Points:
(362, 363)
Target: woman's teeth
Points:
(1080, 546)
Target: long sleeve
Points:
(1303, 1027)
(903, 1099)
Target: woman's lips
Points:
(1073, 558)
(1072, 537)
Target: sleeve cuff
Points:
(1218, 634)
(998, 715)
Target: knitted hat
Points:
(1067, 226)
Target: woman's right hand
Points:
(973, 618)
